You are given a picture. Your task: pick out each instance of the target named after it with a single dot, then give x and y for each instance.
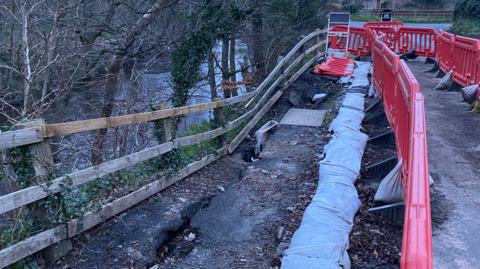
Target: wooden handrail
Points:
(35, 135)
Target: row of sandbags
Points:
(322, 239)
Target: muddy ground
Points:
(236, 214)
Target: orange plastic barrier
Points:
(417, 228)
(377, 55)
(392, 24)
(391, 35)
(360, 42)
(390, 69)
(443, 49)
(335, 66)
(465, 59)
(404, 107)
(422, 40)
(405, 90)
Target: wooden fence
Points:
(36, 134)
(410, 13)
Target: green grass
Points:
(355, 17)
(466, 27)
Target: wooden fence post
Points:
(317, 40)
(42, 161)
(280, 58)
(167, 125)
(43, 152)
(220, 112)
(302, 50)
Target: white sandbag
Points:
(469, 94)
(390, 190)
(356, 100)
(445, 82)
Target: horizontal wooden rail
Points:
(20, 137)
(31, 245)
(279, 66)
(88, 125)
(267, 106)
(35, 193)
(316, 47)
(91, 219)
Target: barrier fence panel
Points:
(390, 69)
(404, 106)
(465, 59)
(417, 228)
(392, 24)
(391, 36)
(444, 50)
(422, 40)
(377, 55)
(405, 90)
(360, 40)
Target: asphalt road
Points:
(437, 26)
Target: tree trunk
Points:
(114, 70)
(112, 81)
(233, 77)
(258, 58)
(211, 75)
(225, 69)
(27, 73)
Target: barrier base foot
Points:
(394, 212)
(454, 87)
(383, 167)
(435, 68)
(439, 74)
(374, 107)
(377, 119)
(385, 139)
(430, 61)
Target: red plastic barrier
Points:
(360, 42)
(465, 61)
(405, 90)
(405, 111)
(443, 49)
(377, 55)
(417, 229)
(335, 66)
(391, 35)
(422, 40)
(390, 69)
(392, 24)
